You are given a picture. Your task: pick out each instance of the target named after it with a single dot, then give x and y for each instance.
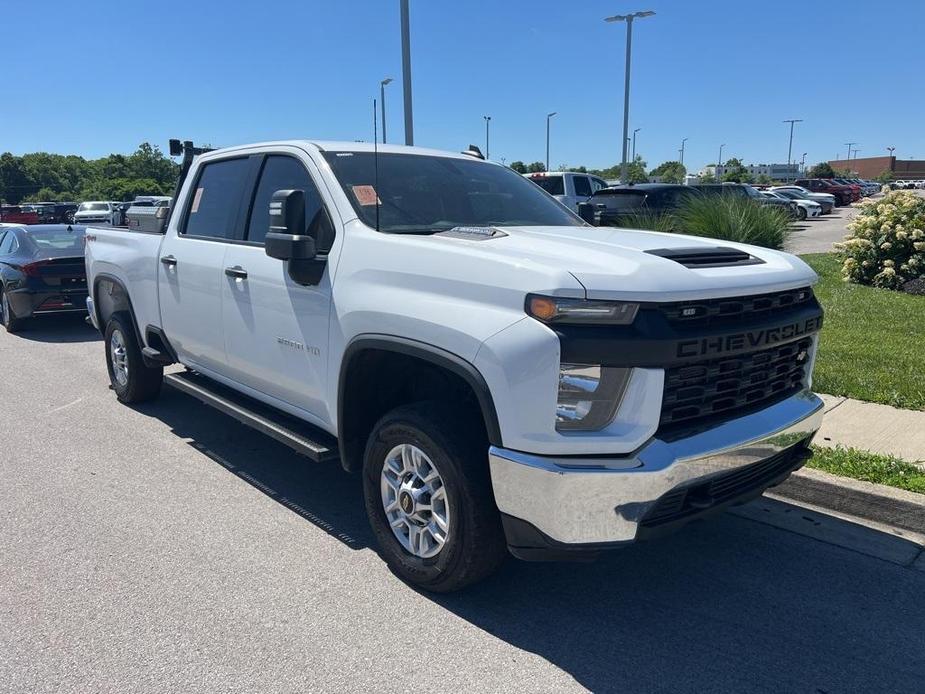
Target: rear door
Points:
(276, 330)
(191, 263)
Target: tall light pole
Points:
(790, 146)
(891, 150)
(719, 160)
(548, 116)
(803, 164)
(856, 150)
(406, 71)
(487, 121)
(382, 84)
(634, 142)
(850, 145)
(682, 149)
(628, 18)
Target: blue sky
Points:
(97, 76)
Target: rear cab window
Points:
(617, 200)
(214, 202)
(554, 185)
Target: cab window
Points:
(582, 186)
(216, 197)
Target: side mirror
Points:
(586, 212)
(286, 239)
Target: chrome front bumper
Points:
(588, 501)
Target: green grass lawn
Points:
(881, 469)
(873, 340)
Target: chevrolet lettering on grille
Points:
(754, 339)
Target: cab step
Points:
(300, 436)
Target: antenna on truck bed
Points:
(187, 150)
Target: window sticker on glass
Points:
(196, 199)
(365, 195)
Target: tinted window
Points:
(58, 238)
(6, 243)
(554, 185)
(582, 186)
(287, 173)
(597, 184)
(216, 198)
(620, 201)
(424, 194)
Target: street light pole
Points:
(790, 146)
(719, 160)
(487, 121)
(548, 116)
(803, 164)
(891, 150)
(382, 84)
(406, 71)
(850, 145)
(634, 142)
(628, 18)
(682, 149)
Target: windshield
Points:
(425, 194)
(60, 239)
(92, 206)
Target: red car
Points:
(13, 214)
(843, 194)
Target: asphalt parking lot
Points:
(166, 548)
(817, 235)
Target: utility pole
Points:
(628, 18)
(548, 116)
(850, 145)
(803, 164)
(682, 149)
(406, 71)
(487, 121)
(719, 160)
(790, 146)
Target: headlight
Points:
(550, 309)
(588, 396)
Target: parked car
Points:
(619, 205)
(15, 214)
(568, 187)
(500, 374)
(746, 191)
(41, 272)
(805, 208)
(843, 194)
(94, 212)
(826, 200)
(856, 190)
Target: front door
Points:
(276, 330)
(191, 263)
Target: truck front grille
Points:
(726, 385)
(710, 312)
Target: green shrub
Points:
(733, 218)
(652, 222)
(885, 246)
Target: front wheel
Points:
(428, 497)
(132, 380)
(801, 214)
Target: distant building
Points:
(776, 172)
(871, 167)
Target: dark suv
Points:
(746, 191)
(843, 194)
(618, 205)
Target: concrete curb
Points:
(874, 502)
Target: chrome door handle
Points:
(237, 272)
(169, 260)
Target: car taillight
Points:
(33, 269)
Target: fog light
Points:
(589, 395)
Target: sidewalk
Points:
(874, 428)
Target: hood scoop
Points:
(706, 256)
(473, 233)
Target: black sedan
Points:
(41, 272)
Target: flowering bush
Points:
(886, 243)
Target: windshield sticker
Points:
(196, 199)
(366, 195)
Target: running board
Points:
(300, 436)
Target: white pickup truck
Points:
(503, 376)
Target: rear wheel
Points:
(429, 500)
(132, 380)
(11, 323)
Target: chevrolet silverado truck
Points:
(504, 377)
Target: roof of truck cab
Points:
(343, 146)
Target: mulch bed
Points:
(915, 287)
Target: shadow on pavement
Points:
(727, 605)
(64, 328)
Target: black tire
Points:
(801, 214)
(141, 382)
(475, 546)
(11, 323)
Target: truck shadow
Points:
(321, 493)
(59, 329)
(731, 604)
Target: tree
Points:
(669, 172)
(708, 178)
(764, 180)
(536, 167)
(734, 171)
(884, 177)
(519, 167)
(821, 170)
(14, 183)
(843, 173)
(635, 171)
